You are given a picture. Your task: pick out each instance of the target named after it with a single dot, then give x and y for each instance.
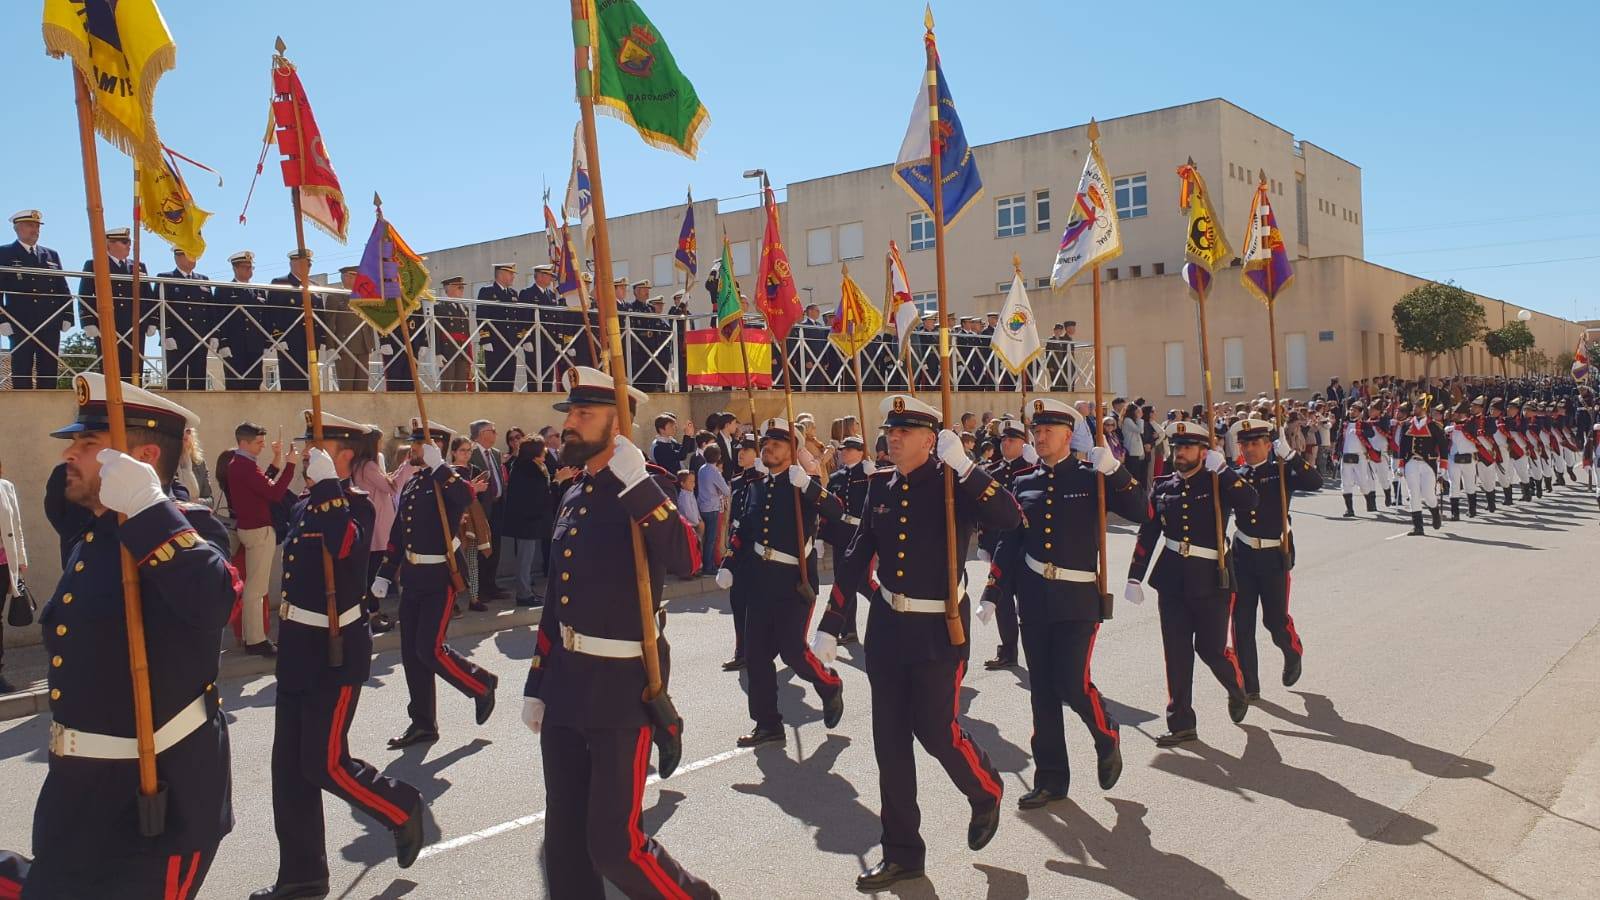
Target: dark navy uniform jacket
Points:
(738, 490)
(288, 323)
(768, 518)
(339, 517)
(1265, 519)
(188, 589)
(1060, 520)
(1005, 471)
(1181, 510)
(417, 528)
(191, 303)
(241, 310)
(505, 335)
(849, 484)
(121, 295)
(904, 529)
(593, 591)
(1426, 441)
(34, 299)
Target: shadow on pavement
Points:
(811, 792)
(27, 739)
(1006, 756)
(657, 815)
(1126, 859)
(1327, 725)
(1004, 884)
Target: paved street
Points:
(1445, 741)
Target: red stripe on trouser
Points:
(179, 889)
(647, 863)
(10, 890)
(1093, 692)
(1233, 659)
(1288, 620)
(828, 678)
(444, 659)
(341, 776)
(964, 744)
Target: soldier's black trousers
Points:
(777, 626)
(836, 553)
(921, 699)
(594, 784)
(740, 606)
(33, 359)
(1269, 589)
(310, 754)
(1005, 616)
(1059, 656)
(143, 876)
(1190, 627)
(424, 618)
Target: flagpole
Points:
(1278, 416)
(152, 801)
(855, 362)
(1022, 410)
(952, 600)
(135, 339)
(1223, 581)
(781, 343)
(585, 78)
(1099, 433)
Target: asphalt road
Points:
(1445, 741)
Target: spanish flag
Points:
(121, 48)
(714, 362)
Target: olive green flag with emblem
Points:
(638, 80)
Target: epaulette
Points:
(884, 472)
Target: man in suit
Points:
(190, 319)
(454, 349)
(353, 340)
(243, 317)
(289, 329)
(37, 307)
(499, 335)
(487, 458)
(119, 242)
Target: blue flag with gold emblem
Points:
(914, 166)
(687, 257)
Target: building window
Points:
(1174, 351)
(852, 243)
(740, 253)
(661, 269)
(1011, 216)
(926, 301)
(1042, 283)
(1302, 224)
(1041, 210)
(1111, 274)
(819, 246)
(1294, 346)
(1135, 271)
(921, 231)
(1158, 269)
(1232, 172)
(1117, 369)
(1233, 365)
(1002, 287)
(1133, 200)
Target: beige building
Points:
(1333, 322)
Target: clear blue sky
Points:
(1473, 123)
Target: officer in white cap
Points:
(119, 244)
(37, 307)
(245, 330)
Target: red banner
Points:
(779, 298)
(306, 164)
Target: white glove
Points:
(985, 612)
(169, 344)
(627, 463)
(1105, 462)
(799, 478)
(533, 714)
(225, 353)
(825, 646)
(431, 456)
(127, 485)
(952, 454)
(724, 579)
(1215, 462)
(380, 588)
(91, 330)
(386, 350)
(1030, 455)
(1134, 593)
(867, 468)
(5, 329)
(319, 466)
(1282, 448)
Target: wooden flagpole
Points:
(952, 600)
(1223, 581)
(136, 337)
(1278, 417)
(780, 343)
(152, 805)
(1100, 439)
(1022, 377)
(855, 362)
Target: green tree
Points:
(1564, 361)
(1506, 340)
(79, 353)
(1533, 360)
(1436, 319)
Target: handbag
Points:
(19, 614)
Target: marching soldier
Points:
(87, 828)
(1013, 464)
(1463, 470)
(38, 308)
(192, 318)
(1483, 429)
(1357, 456)
(119, 242)
(778, 611)
(849, 483)
(321, 668)
(455, 349)
(1422, 442)
(1261, 562)
(1519, 446)
(499, 329)
(582, 695)
(914, 670)
(418, 544)
(1194, 607)
(1505, 468)
(288, 324)
(245, 326)
(1050, 563)
(1380, 435)
(750, 472)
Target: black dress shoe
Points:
(980, 831)
(531, 602)
(408, 837)
(1291, 670)
(833, 708)
(733, 665)
(414, 734)
(761, 736)
(1252, 696)
(1174, 738)
(264, 648)
(483, 706)
(1110, 767)
(6, 687)
(380, 623)
(1039, 797)
(883, 875)
(848, 638)
(299, 890)
(1237, 707)
(478, 606)
(1001, 662)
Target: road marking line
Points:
(535, 818)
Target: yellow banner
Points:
(1203, 243)
(857, 321)
(121, 48)
(168, 209)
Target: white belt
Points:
(598, 646)
(1256, 543)
(771, 555)
(902, 603)
(71, 742)
(1184, 548)
(1055, 573)
(431, 559)
(288, 612)
(850, 520)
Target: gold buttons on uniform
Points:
(1047, 545)
(61, 631)
(588, 489)
(567, 553)
(56, 661)
(899, 573)
(564, 600)
(904, 520)
(566, 576)
(67, 597)
(902, 535)
(1047, 529)
(900, 554)
(583, 510)
(572, 532)
(55, 693)
(291, 557)
(77, 566)
(88, 538)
